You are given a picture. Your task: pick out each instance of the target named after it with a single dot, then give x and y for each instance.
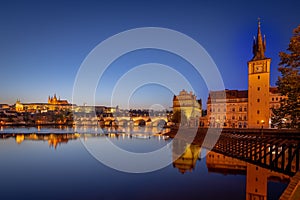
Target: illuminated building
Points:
(228, 112)
(259, 84)
(53, 104)
(188, 104)
(54, 100)
(247, 108)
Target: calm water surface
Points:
(37, 166)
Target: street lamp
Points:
(262, 126)
(262, 123)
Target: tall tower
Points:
(258, 84)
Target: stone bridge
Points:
(135, 121)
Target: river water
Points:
(38, 165)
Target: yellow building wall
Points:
(258, 93)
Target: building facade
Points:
(187, 103)
(54, 100)
(52, 105)
(229, 111)
(250, 108)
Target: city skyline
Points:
(44, 44)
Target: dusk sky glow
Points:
(43, 43)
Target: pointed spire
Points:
(259, 45)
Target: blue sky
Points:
(43, 43)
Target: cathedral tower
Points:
(258, 84)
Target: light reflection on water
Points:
(67, 171)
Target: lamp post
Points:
(262, 126)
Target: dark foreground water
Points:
(37, 166)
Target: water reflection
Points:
(53, 139)
(186, 157)
(62, 134)
(257, 178)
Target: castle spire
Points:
(259, 45)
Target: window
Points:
(224, 109)
(257, 112)
(245, 118)
(240, 109)
(257, 122)
(258, 88)
(233, 117)
(224, 117)
(258, 77)
(240, 117)
(245, 109)
(258, 100)
(276, 98)
(218, 109)
(233, 109)
(273, 99)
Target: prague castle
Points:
(54, 100)
(53, 104)
(247, 108)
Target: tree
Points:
(289, 84)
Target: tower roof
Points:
(259, 45)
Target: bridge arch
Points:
(159, 122)
(140, 122)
